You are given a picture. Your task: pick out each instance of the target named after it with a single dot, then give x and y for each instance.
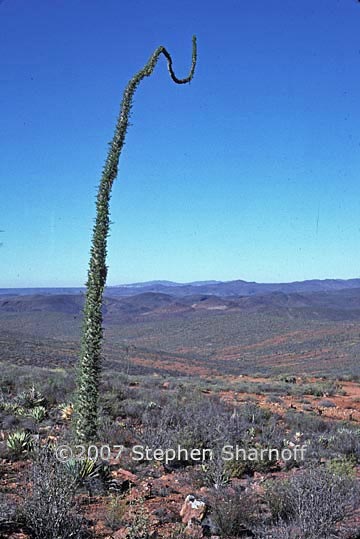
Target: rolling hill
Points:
(343, 304)
(315, 332)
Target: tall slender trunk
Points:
(86, 406)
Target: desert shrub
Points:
(193, 421)
(306, 423)
(233, 512)
(150, 393)
(115, 391)
(49, 508)
(289, 386)
(113, 432)
(115, 380)
(281, 388)
(179, 531)
(345, 441)
(308, 407)
(217, 473)
(14, 377)
(28, 424)
(278, 497)
(133, 515)
(253, 414)
(58, 387)
(13, 380)
(287, 378)
(325, 439)
(139, 528)
(333, 443)
(325, 403)
(331, 388)
(112, 404)
(318, 389)
(135, 409)
(304, 400)
(115, 509)
(272, 433)
(313, 501)
(246, 387)
(349, 377)
(8, 421)
(338, 441)
(280, 530)
(343, 466)
(7, 511)
(188, 420)
(274, 399)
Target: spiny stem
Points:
(86, 408)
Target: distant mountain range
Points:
(171, 284)
(232, 288)
(215, 288)
(324, 304)
(234, 327)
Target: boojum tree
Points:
(89, 369)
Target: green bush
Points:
(343, 466)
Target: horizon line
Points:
(168, 282)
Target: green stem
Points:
(86, 409)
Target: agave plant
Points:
(88, 472)
(66, 411)
(38, 413)
(82, 469)
(30, 398)
(12, 408)
(20, 442)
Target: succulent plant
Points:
(86, 416)
(12, 408)
(66, 411)
(30, 398)
(81, 469)
(38, 413)
(85, 471)
(20, 442)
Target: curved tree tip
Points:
(168, 57)
(86, 416)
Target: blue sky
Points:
(250, 172)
